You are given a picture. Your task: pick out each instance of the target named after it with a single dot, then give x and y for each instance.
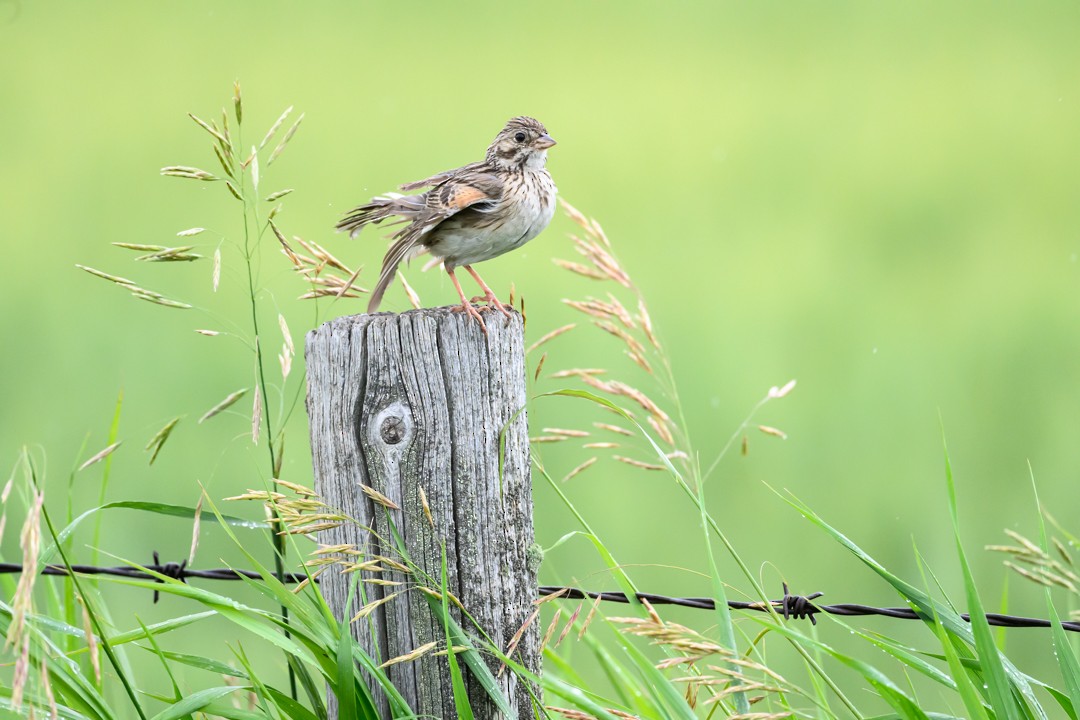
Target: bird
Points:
(469, 214)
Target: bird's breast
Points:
(470, 236)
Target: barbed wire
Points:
(797, 607)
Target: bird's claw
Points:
(492, 302)
(472, 312)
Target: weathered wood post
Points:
(417, 401)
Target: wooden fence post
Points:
(418, 401)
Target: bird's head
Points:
(522, 144)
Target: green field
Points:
(880, 200)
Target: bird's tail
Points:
(400, 250)
(380, 208)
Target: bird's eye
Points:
(519, 136)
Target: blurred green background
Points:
(877, 199)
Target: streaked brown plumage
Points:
(470, 214)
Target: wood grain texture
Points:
(419, 400)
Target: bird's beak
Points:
(543, 142)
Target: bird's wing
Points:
(464, 190)
(478, 190)
(440, 178)
(451, 191)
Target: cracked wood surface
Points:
(418, 401)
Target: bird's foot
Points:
(471, 311)
(492, 302)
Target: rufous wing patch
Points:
(457, 197)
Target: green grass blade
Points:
(1063, 649)
(620, 677)
(344, 682)
(293, 710)
(882, 684)
(471, 656)
(312, 686)
(72, 687)
(180, 511)
(579, 698)
(197, 701)
(199, 662)
(995, 680)
(228, 712)
(62, 712)
(106, 470)
(908, 657)
(1064, 701)
(457, 682)
(969, 694)
(156, 649)
(669, 697)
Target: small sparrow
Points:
(470, 214)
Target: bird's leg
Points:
(466, 306)
(488, 294)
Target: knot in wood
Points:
(392, 430)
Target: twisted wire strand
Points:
(798, 607)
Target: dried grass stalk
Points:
(379, 498)
(579, 269)
(551, 629)
(195, 527)
(548, 439)
(412, 655)
(414, 299)
(580, 468)
(192, 173)
(211, 129)
(578, 372)
(370, 607)
(223, 405)
(285, 140)
(768, 430)
(613, 428)
(426, 507)
(638, 463)
(539, 367)
(159, 439)
(589, 617)
(256, 415)
(100, 455)
(662, 429)
(275, 127)
(551, 336)
(567, 432)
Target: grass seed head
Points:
(256, 416)
(100, 455)
(371, 606)
(551, 629)
(218, 135)
(285, 140)
(539, 367)
(551, 336)
(579, 269)
(414, 299)
(275, 127)
(379, 498)
(215, 273)
(412, 655)
(223, 405)
(580, 468)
